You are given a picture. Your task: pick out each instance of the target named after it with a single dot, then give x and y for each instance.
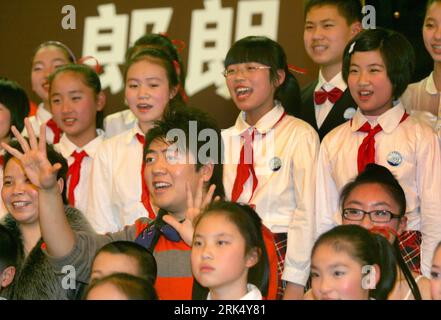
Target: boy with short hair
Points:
(329, 26)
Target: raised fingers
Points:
(22, 141)
(17, 154)
(31, 134)
(209, 196)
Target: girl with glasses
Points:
(376, 201)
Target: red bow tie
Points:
(321, 96)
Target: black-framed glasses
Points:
(245, 71)
(375, 215)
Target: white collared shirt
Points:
(40, 117)
(414, 144)
(284, 198)
(322, 110)
(119, 122)
(253, 293)
(66, 148)
(422, 100)
(116, 185)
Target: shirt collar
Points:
(388, 120)
(131, 133)
(130, 118)
(67, 147)
(253, 293)
(43, 114)
(337, 81)
(430, 85)
(265, 124)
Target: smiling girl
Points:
(422, 99)
(75, 98)
(377, 66)
(118, 194)
(271, 156)
(48, 57)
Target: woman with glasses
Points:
(376, 201)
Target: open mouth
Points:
(364, 95)
(20, 204)
(144, 107)
(436, 48)
(161, 185)
(46, 86)
(319, 48)
(69, 121)
(243, 92)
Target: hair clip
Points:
(351, 48)
(294, 68)
(97, 68)
(179, 44)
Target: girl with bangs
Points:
(270, 155)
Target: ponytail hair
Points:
(368, 249)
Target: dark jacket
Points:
(335, 116)
(35, 279)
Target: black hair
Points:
(377, 174)
(147, 266)
(268, 52)
(134, 288)
(14, 98)
(368, 249)
(89, 78)
(181, 121)
(53, 157)
(430, 2)
(162, 42)
(250, 227)
(350, 10)
(8, 249)
(166, 61)
(65, 49)
(397, 53)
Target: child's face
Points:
(5, 122)
(107, 263)
(432, 31)
(369, 83)
(435, 279)
(74, 106)
(19, 195)
(326, 34)
(251, 88)
(106, 291)
(46, 60)
(166, 175)
(336, 276)
(218, 256)
(370, 197)
(147, 92)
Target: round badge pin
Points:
(394, 158)
(275, 164)
(349, 113)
